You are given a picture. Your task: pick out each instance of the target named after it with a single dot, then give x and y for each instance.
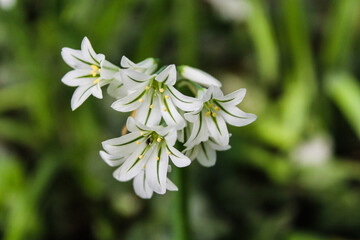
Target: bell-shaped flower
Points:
(116, 88)
(91, 72)
(198, 76)
(155, 97)
(217, 110)
(145, 149)
(205, 152)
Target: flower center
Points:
(95, 73)
(211, 108)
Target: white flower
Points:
(91, 72)
(217, 110)
(145, 150)
(154, 97)
(116, 88)
(205, 152)
(198, 76)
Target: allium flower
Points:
(145, 150)
(205, 152)
(155, 97)
(217, 110)
(91, 72)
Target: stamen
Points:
(217, 108)
(168, 153)
(94, 67)
(96, 80)
(151, 106)
(157, 158)
(147, 87)
(165, 109)
(208, 113)
(159, 140)
(138, 142)
(214, 114)
(141, 156)
(93, 73)
(161, 90)
(167, 96)
(142, 133)
(210, 105)
(141, 100)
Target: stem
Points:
(181, 216)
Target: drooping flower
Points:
(91, 72)
(205, 152)
(145, 150)
(155, 97)
(217, 110)
(198, 76)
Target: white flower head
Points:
(145, 150)
(217, 110)
(154, 97)
(198, 76)
(91, 72)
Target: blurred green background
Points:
(294, 174)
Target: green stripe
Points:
(131, 141)
(217, 126)
(224, 101)
(82, 60)
(177, 97)
(137, 160)
(149, 112)
(89, 76)
(93, 57)
(222, 108)
(135, 80)
(137, 98)
(167, 108)
(86, 90)
(171, 151)
(199, 126)
(158, 165)
(203, 148)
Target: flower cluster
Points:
(163, 119)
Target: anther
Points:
(151, 106)
(167, 96)
(217, 108)
(96, 80)
(159, 140)
(210, 105)
(140, 157)
(214, 114)
(142, 133)
(141, 100)
(138, 142)
(208, 113)
(161, 90)
(147, 87)
(157, 158)
(94, 67)
(168, 153)
(165, 109)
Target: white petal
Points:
(78, 77)
(149, 116)
(89, 53)
(80, 95)
(170, 135)
(216, 146)
(146, 66)
(234, 116)
(96, 91)
(108, 70)
(117, 89)
(156, 170)
(75, 59)
(192, 116)
(179, 159)
(206, 155)
(112, 160)
(130, 102)
(181, 135)
(199, 132)
(133, 164)
(198, 76)
(183, 102)
(218, 129)
(141, 187)
(133, 79)
(168, 75)
(124, 145)
(233, 98)
(171, 116)
(171, 186)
